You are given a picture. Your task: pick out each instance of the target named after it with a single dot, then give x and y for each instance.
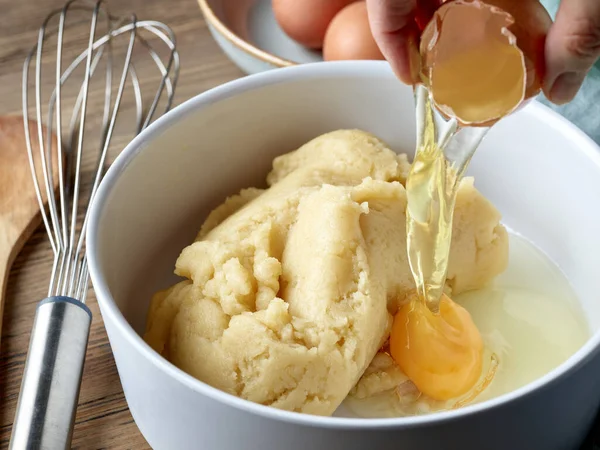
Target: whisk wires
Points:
(65, 217)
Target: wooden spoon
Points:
(19, 208)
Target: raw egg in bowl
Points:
(525, 257)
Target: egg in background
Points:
(349, 36)
(306, 21)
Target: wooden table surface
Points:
(103, 419)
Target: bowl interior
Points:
(254, 22)
(541, 172)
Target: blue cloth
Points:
(584, 109)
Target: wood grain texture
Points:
(19, 207)
(103, 419)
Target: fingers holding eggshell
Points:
(395, 31)
(572, 47)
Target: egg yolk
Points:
(440, 352)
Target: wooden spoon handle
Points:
(5, 265)
(19, 207)
(8, 253)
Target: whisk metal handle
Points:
(52, 378)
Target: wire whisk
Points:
(51, 381)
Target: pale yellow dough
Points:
(289, 292)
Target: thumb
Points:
(572, 47)
(394, 29)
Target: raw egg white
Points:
(349, 36)
(306, 21)
(530, 322)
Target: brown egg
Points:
(306, 21)
(349, 35)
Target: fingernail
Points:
(566, 86)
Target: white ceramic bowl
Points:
(246, 30)
(539, 170)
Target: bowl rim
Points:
(320, 70)
(238, 41)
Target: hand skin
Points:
(572, 44)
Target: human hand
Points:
(572, 45)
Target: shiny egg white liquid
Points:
(529, 317)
